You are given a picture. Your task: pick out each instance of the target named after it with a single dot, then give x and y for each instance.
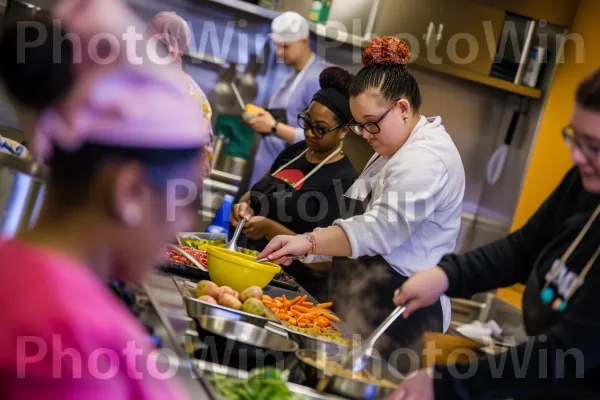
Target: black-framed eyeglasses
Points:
(372, 127)
(304, 123)
(589, 148)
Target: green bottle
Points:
(319, 11)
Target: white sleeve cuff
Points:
(314, 259)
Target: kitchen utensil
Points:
(232, 245)
(187, 256)
(218, 148)
(197, 308)
(289, 258)
(238, 96)
(361, 354)
(351, 388)
(237, 270)
(498, 159)
(21, 193)
(241, 344)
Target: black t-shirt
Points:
(315, 203)
(318, 202)
(527, 256)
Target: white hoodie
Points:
(413, 216)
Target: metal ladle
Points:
(232, 245)
(360, 356)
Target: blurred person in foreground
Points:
(290, 33)
(556, 255)
(113, 135)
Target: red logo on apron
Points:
(291, 176)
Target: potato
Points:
(207, 288)
(228, 290)
(254, 306)
(208, 299)
(227, 300)
(253, 292)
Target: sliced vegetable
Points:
(263, 384)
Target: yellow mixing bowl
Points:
(237, 270)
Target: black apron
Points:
(362, 291)
(268, 187)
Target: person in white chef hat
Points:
(290, 33)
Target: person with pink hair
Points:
(175, 34)
(115, 136)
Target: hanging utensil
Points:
(238, 96)
(498, 159)
(232, 245)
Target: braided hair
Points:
(385, 70)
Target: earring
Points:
(132, 215)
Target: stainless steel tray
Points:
(196, 308)
(205, 369)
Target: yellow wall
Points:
(550, 159)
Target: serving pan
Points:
(347, 387)
(240, 344)
(197, 308)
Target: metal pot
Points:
(241, 345)
(350, 388)
(21, 192)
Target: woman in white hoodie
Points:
(411, 193)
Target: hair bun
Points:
(387, 50)
(336, 78)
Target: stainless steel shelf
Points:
(248, 7)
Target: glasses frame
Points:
(359, 128)
(303, 116)
(572, 141)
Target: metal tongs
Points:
(187, 256)
(288, 258)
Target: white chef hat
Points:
(289, 27)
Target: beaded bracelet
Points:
(312, 241)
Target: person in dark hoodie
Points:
(556, 254)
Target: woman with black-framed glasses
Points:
(303, 188)
(411, 192)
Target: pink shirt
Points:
(64, 335)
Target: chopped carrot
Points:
(297, 313)
(283, 317)
(325, 305)
(307, 304)
(302, 324)
(291, 314)
(331, 317)
(303, 309)
(278, 303)
(287, 304)
(283, 297)
(274, 310)
(322, 322)
(267, 298)
(269, 304)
